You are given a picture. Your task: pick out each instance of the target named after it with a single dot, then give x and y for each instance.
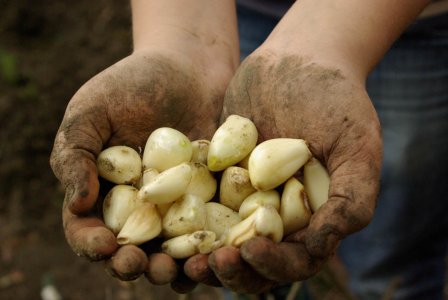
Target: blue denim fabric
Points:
(407, 240)
(405, 246)
(254, 28)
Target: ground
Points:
(47, 51)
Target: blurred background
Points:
(48, 49)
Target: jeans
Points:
(402, 252)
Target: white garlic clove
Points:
(147, 176)
(200, 151)
(202, 183)
(163, 208)
(190, 244)
(180, 247)
(257, 199)
(220, 218)
(119, 164)
(317, 183)
(118, 204)
(265, 221)
(186, 215)
(294, 210)
(208, 243)
(166, 148)
(244, 163)
(232, 141)
(167, 186)
(142, 225)
(235, 186)
(274, 161)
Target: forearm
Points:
(192, 26)
(352, 34)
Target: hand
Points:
(290, 96)
(122, 106)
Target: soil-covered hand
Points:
(290, 96)
(122, 106)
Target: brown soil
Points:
(47, 51)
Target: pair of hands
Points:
(285, 96)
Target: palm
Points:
(287, 96)
(138, 94)
(122, 106)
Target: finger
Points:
(128, 263)
(88, 236)
(354, 185)
(162, 269)
(235, 274)
(197, 268)
(183, 284)
(283, 262)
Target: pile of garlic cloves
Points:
(172, 190)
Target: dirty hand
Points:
(122, 106)
(290, 96)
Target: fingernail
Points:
(69, 192)
(224, 269)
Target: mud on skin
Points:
(122, 106)
(235, 273)
(291, 96)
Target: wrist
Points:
(204, 30)
(210, 75)
(306, 60)
(353, 35)
(181, 44)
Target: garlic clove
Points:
(167, 186)
(317, 183)
(257, 199)
(186, 215)
(269, 223)
(244, 163)
(235, 186)
(119, 164)
(142, 225)
(163, 208)
(118, 204)
(208, 243)
(166, 148)
(265, 221)
(190, 244)
(220, 218)
(200, 151)
(232, 141)
(202, 183)
(147, 176)
(294, 210)
(274, 161)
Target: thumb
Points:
(354, 185)
(73, 159)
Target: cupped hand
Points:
(296, 97)
(121, 106)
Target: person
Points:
(305, 76)
(409, 91)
